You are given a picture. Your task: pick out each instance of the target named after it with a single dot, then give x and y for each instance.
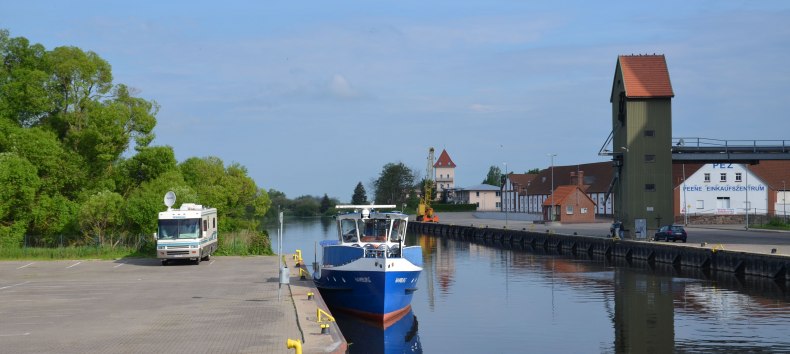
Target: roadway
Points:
(227, 305)
(730, 237)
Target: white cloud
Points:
(481, 108)
(339, 87)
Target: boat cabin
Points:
(389, 229)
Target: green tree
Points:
(237, 199)
(534, 171)
(360, 197)
(149, 163)
(18, 185)
(144, 203)
(279, 202)
(101, 216)
(494, 176)
(305, 206)
(60, 171)
(394, 184)
(325, 204)
(24, 77)
(55, 220)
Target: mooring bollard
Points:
(324, 328)
(310, 295)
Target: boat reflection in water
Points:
(365, 336)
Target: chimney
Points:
(580, 179)
(574, 179)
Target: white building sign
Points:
(723, 188)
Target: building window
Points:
(650, 132)
(569, 209)
(584, 210)
(650, 158)
(498, 205)
(477, 194)
(723, 177)
(738, 177)
(650, 187)
(498, 193)
(700, 204)
(707, 177)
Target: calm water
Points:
(478, 299)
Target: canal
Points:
(474, 298)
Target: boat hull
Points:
(381, 293)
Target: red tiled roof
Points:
(597, 177)
(645, 76)
(562, 193)
(521, 179)
(773, 173)
(444, 160)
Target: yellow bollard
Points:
(310, 295)
(294, 344)
(302, 274)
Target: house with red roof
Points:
(569, 204)
(444, 170)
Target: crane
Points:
(424, 211)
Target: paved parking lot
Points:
(227, 305)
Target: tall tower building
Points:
(444, 170)
(641, 138)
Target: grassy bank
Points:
(242, 243)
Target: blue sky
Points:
(313, 97)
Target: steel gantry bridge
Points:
(735, 151)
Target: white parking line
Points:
(11, 286)
(119, 265)
(73, 265)
(15, 334)
(210, 263)
(31, 263)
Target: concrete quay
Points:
(765, 259)
(226, 305)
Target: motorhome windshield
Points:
(173, 229)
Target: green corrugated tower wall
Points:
(642, 138)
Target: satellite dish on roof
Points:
(170, 199)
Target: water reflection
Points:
(648, 307)
(477, 298)
(367, 337)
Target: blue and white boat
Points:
(369, 271)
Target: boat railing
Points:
(381, 251)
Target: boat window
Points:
(348, 229)
(375, 230)
(398, 230)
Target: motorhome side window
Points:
(205, 225)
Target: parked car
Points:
(671, 232)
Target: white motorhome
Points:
(189, 232)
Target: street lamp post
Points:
(685, 203)
(504, 191)
(784, 201)
(551, 210)
(747, 197)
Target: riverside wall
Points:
(739, 263)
